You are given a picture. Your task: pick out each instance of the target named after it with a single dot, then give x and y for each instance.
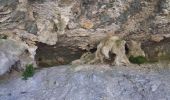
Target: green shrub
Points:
(28, 72)
(137, 60)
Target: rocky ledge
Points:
(86, 82)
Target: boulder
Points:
(11, 53)
(110, 50)
(6, 62)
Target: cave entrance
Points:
(48, 56)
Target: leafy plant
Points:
(28, 72)
(137, 60)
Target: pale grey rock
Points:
(11, 47)
(12, 52)
(88, 83)
(6, 62)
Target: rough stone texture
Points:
(83, 23)
(111, 49)
(88, 83)
(165, 4)
(6, 63)
(157, 51)
(58, 17)
(11, 53)
(134, 49)
(157, 38)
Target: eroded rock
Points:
(110, 50)
(134, 49)
(82, 23)
(110, 47)
(12, 52)
(52, 24)
(157, 51)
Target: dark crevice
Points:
(111, 59)
(126, 49)
(48, 56)
(93, 50)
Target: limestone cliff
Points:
(79, 25)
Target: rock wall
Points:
(81, 24)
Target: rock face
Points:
(6, 63)
(134, 49)
(157, 51)
(82, 23)
(88, 83)
(11, 54)
(110, 50)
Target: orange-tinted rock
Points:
(156, 38)
(87, 24)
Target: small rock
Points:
(31, 27)
(156, 38)
(165, 11)
(72, 25)
(87, 24)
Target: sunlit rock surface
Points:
(13, 54)
(86, 82)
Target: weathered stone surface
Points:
(46, 33)
(12, 52)
(165, 7)
(111, 49)
(84, 59)
(31, 27)
(9, 53)
(157, 51)
(6, 62)
(156, 38)
(88, 83)
(83, 23)
(134, 49)
(87, 24)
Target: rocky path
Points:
(89, 83)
